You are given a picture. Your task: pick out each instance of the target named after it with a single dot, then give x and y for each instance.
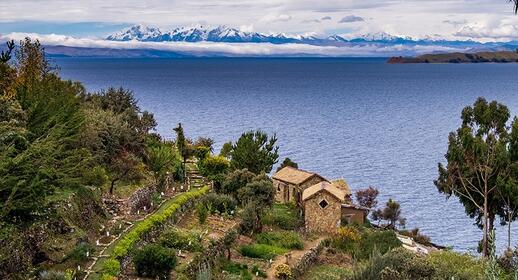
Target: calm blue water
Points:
(361, 119)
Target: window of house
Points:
(323, 203)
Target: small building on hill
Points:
(354, 214)
(328, 205)
(290, 182)
(323, 207)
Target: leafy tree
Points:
(367, 197)
(254, 151)
(259, 191)
(287, 162)
(507, 191)
(390, 213)
(124, 166)
(183, 145)
(236, 180)
(226, 149)
(6, 55)
(214, 168)
(162, 160)
(7, 73)
(257, 196)
(39, 124)
(477, 156)
(205, 142)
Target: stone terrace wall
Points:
(307, 260)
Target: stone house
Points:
(322, 207)
(354, 214)
(290, 182)
(327, 204)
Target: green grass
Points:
(283, 239)
(284, 216)
(261, 251)
(328, 272)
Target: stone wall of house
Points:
(310, 182)
(279, 190)
(353, 215)
(318, 219)
(307, 260)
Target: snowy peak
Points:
(199, 33)
(137, 32)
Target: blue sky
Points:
(483, 20)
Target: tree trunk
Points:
(485, 228)
(113, 185)
(509, 217)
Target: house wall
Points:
(322, 220)
(310, 182)
(356, 215)
(281, 191)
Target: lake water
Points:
(361, 119)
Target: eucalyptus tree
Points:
(477, 156)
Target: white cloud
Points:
(351, 18)
(247, 28)
(499, 30)
(416, 18)
(236, 49)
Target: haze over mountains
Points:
(214, 41)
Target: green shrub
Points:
(398, 264)
(261, 251)
(111, 267)
(203, 213)
(181, 240)
(284, 216)
(383, 241)
(154, 261)
(347, 239)
(361, 242)
(449, 264)
(283, 239)
(78, 254)
(219, 203)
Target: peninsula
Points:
(457, 57)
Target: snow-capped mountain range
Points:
(200, 33)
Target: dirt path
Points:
(296, 255)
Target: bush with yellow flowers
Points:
(283, 271)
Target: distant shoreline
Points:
(479, 57)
